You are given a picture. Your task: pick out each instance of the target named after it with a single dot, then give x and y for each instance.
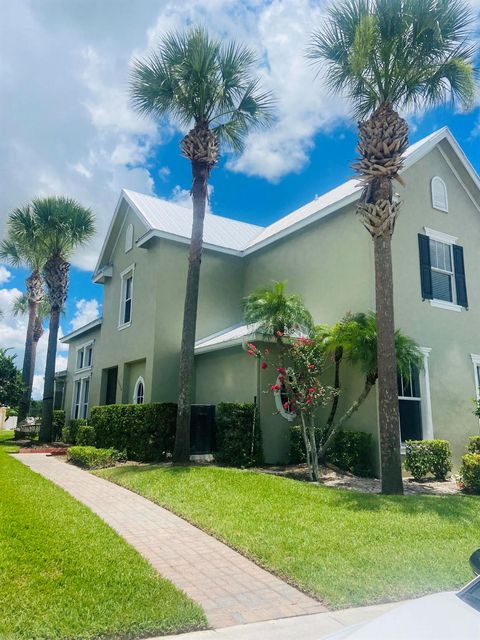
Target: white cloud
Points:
(183, 197)
(12, 336)
(86, 311)
(5, 274)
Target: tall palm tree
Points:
(385, 55)
(197, 80)
(23, 248)
(277, 312)
(63, 225)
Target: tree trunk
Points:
(306, 441)
(200, 173)
(48, 389)
(313, 449)
(388, 410)
(28, 363)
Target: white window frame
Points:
(277, 395)
(82, 405)
(83, 348)
(140, 381)
(445, 238)
(436, 180)
(425, 398)
(476, 373)
(129, 238)
(125, 274)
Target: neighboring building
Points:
(132, 354)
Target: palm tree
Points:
(22, 248)
(385, 55)
(63, 225)
(355, 340)
(196, 79)
(276, 312)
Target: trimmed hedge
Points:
(70, 430)
(146, 432)
(470, 473)
(86, 435)
(350, 451)
(239, 439)
(93, 458)
(428, 456)
(58, 423)
(474, 444)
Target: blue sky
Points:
(67, 127)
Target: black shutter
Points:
(460, 282)
(425, 266)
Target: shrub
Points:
(352, 451)
(474, 444)
(470, 472)
(428, 456)
(11, 412)
(145, 431)
(69, 432)
(58, 423)
(238, 428)
(93, 458)
(86, 435)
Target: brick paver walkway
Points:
(231, 589)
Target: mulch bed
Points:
(53, 450)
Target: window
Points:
(129, 238)
(81, 392)
(126, 300)
(410, 405)
(439, 194)
(84, 359)
(442, 270)
(476, 373)
(281, 401)
(139, 393)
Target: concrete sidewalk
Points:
(312, 627)
(231, 589)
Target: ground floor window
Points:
(139, 393)
(81, 393)
(410, 405)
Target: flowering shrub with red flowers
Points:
(298, 383)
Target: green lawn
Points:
(65, 574)
(347, 548)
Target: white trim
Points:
(437, 180)
(82, 347)
(444, 304)
(139, 381)
(123, 277)
(277, 396)
(426, 406)
(476, 363)
(129, 233)
(81, 330)
(440, 236)
(455, 173)
(81, 380)
(156, 233)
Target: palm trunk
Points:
(28, 363)
(200, 173)
(388, 410)
(48, 389)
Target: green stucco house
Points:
(131, 354)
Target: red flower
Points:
(311, 366)
(281, 369)
(286, 406)
(264, 365)
(250, 352)
(281, 379)
(275, 387)
(308, 400)
(311, 390)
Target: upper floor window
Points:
(126, 297)
(442, 270)
(129, 238)
(84, 357)
(81, 393)
(139, 393)
(439, 194)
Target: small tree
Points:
(11, 385)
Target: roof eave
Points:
(81, 330)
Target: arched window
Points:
(139, 393)
(439, 194)
(129, 238)
(281, 401)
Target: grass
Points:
(346, 548)
(64, 574)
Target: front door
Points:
(111, 391)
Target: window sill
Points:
(443, 304)
(83, 370)
(124, 326)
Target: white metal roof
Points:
(228, 337)
(78, 332)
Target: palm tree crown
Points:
(276, 311)
(400, 52)
(196, 79)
